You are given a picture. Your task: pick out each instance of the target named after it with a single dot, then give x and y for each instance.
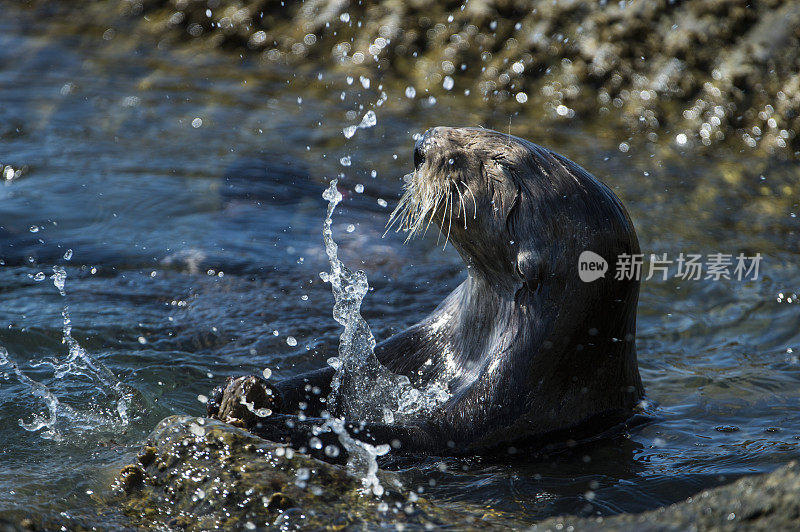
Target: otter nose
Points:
(422, 145)
(419, 151)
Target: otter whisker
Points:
(446, 201)
(400, 213)
(461, 209)
(449, 222)
(433, 213)
(474, 203)
(394, 218)
(414, 206)
(408, 215)
(420, 208)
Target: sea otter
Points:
(530, 353)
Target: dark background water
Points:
(196, 253)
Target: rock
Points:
(766, 502)
(130, 477)
(243, 401)
(202, 474)
(708, 68)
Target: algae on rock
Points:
(202, 474)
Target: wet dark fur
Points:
(531, 353)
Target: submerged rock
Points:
(202, 474)
(765, 502)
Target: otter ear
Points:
(527, 259)
(528, 267)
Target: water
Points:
(362, 388)
(196, 255)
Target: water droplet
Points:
(332, 451)
(382, 202)
(68, 254)
(197, 122)
(59, 278)
(360, 188)
(292, 341)
(351, 228)
(345, 161)
(202, 398)
(369, 120)
(267, 373)
(34, 229)
(521, 97)
(448, 83)
(411, 92)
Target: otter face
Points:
(458, 178)
(465, 181)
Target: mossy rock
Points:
(202, 474)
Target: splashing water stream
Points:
(362, 388)
(78, 363)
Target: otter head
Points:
(461, 182)
(516, 212)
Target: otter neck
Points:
(484, 321)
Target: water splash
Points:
(363, 389)
(38, 390)
(60, 417)
(361, 456)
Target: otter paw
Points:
(244, 401)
